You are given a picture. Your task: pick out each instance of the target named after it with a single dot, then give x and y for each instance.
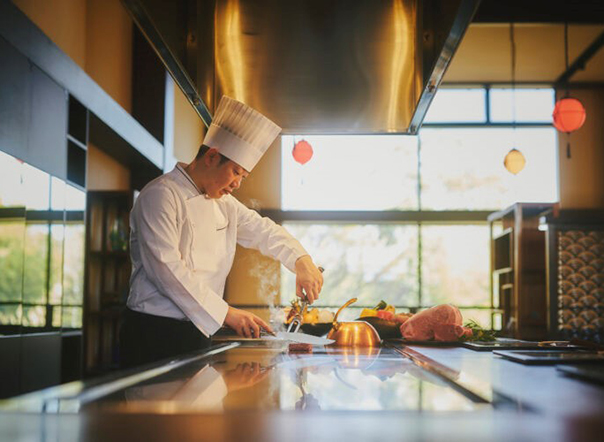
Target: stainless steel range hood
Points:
(314, 66)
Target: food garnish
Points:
(479, 333)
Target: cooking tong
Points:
(294, 326)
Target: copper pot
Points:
(353, 334)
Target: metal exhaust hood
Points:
(314, 66)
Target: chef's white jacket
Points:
(182, 246)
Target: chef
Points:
(184, 229)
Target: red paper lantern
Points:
(302, 152)
(569, 115)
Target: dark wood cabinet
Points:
(15, 91)
(33, 114)
(46, 143)
(107, 276)
(518, 270)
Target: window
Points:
(41, 250)
(462, 168)
(469, 106)
(403, 218)
(527, 105)
(351, 173)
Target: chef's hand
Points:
(309, 279)
(246, 324)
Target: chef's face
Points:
(224, 178)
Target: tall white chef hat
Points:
(240, 133)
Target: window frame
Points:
(419, 217)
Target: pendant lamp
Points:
(569, 113)
(514, 161)
(302, 152)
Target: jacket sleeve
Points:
(263, 234)
(157, 230)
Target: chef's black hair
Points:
(202, 151)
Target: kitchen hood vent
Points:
(315, 66)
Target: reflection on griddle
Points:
(248, 378)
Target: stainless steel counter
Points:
(258, 391)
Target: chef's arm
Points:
(271, 239)
(157, 235)
(309, 279)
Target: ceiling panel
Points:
(484, 53)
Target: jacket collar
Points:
(182, 177)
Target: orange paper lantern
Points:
(569, 115)
(302, 152)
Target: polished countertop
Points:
(257, 390)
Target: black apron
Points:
(148, 338)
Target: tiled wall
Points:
(581, 284)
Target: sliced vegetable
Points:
(368, 312)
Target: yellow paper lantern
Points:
(514, 161)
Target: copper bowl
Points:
(353, 334)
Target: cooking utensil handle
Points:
(350, 301)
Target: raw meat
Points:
(297, 347)
(441, 323)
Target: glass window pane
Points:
(35, 263)
(458, 105)
(75, 199)
(73, 269)
(56, 316)
(36, 188)
(57, 236)
(34, 316)
(12, 247)
(57, 194)
(455, 265)
(10, 314)
(531, 105)
(72, 317)
(351, 173)
(370, 262)
(462, 169)
(11, 170)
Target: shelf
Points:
(78, 121)
(76, 164)
(504, 234)
(109, 269)
(518, 269)
(77, 142)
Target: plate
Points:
(386, 329)
(318, 329)
(551, 356)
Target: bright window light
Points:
(531, 105)
(457, 105)
(351, 173)
(462, 169)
